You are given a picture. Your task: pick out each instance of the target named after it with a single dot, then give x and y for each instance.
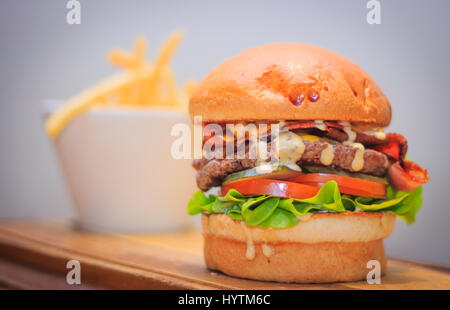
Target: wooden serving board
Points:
(34, 254)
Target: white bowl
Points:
(120, 171)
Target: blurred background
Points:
(43, 58)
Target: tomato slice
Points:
(347, 185)
(408, 177)
(278, 188)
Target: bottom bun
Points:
(290, 261)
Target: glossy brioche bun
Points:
(265, 84)
(327, 247)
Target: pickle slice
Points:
(320, 169)
(266, 172)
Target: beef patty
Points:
(212, 172)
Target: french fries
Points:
(140, 84)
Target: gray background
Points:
(42, 57)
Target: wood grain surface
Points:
(33, 255)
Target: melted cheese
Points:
(290, 150)
(358, 160)
(327, 155)
(309, 137)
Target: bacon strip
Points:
(211, 138)
(291, 125)
(403, 174)
(407, 177)
(334, 131)
(396, 146)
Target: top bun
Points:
(290, 81)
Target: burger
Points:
(313, 185)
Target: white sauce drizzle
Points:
(305, 218)
(358, 160)
(250, 252)
(267, 250)
(320, 125)
(265, 168)
(379, 134)
(327, 155)
(350, 134)
(385, 220)
(262, 155)
(290, 150)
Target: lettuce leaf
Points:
(271, 211)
